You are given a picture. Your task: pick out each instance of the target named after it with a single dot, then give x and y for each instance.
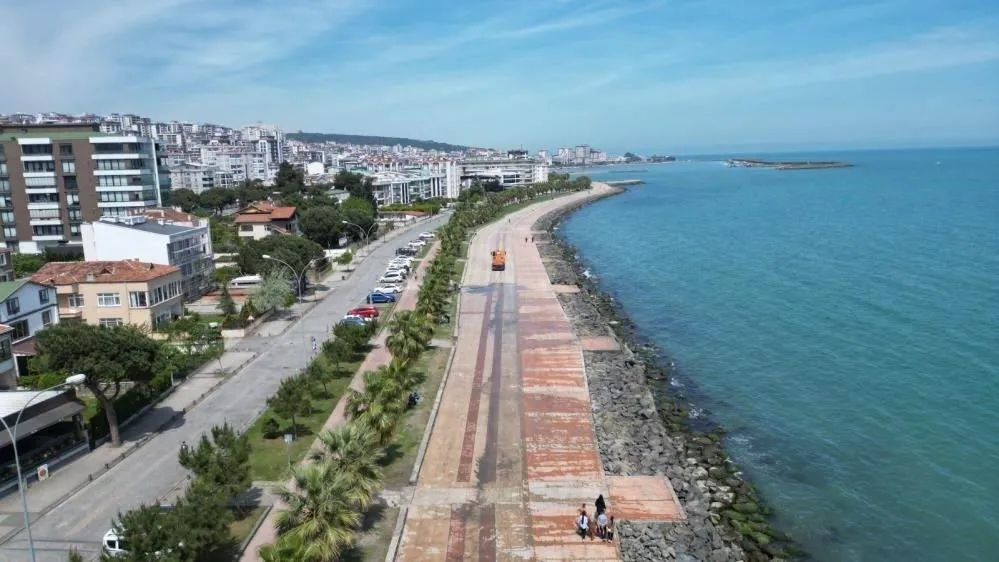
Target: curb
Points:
(400, 521)
(253, 532)
(125, 454)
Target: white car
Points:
(404, 261)
(418, 243)
(391, 278)
(387, 289)
(427, 235)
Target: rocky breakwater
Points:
(642, 429)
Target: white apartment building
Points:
(127, 173)
(414, 183)
(186, 244)
(195, 177)
(508, 173)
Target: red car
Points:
(364, 312)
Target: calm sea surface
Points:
(842, 324)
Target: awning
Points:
(41, 421)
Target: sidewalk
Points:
(378, 356)
(72, 476)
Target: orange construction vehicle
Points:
(499, 260)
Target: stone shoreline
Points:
(645, 429)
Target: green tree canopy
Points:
(222, 461)
(291, 400)
(294, 250)
(289, 179)
(360, 212)
(322, 225)
(108, 356)
(186, 199)
(274, 292)
(217, 198)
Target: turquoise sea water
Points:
(842, 324)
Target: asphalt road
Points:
(153, 471)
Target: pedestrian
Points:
(602, 526)
(314, 345)
(609, 532)
(183, 447)
(525, 240)
(532, 239)
(600, 504)
(582, 524)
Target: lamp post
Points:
(364, 233)
(71, 381)
(299, 279)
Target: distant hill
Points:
(381, 141)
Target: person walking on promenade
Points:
(602, 526)
(600, 504)
(609, 533)
(582, 524)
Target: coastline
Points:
(644, 428)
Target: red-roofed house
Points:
(261, 219)
(115, 292)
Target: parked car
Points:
(401, 272)
(391, 278)
(406, 251)
(356, 320)
(356, 317)
(380, 298)
(427, 235)
(387, 289)
(418, 243)
(364, 312)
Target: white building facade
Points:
(159, 241)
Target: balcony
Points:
(70, 313)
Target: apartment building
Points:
(508, 172)
(161, 236)
(53, 178)
(111, 293)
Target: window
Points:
(47, 181)
(66, 149)
(4, 185)
(7, 217)
(72, 198)
(75, 300)
(110, 322)
(75, 215)
(70, 182)
(43, 296)
(74, 230)
(47, 230)
(138, 299)
(43, 213)
(68, 167)
(5, 352)
(9, 232)
(13, 305)
(36, 149)
(6, 202)
(119, 165)
(21, 330)
(46, 317)
(3, 258)
(246, 228)
(108, 299)
(43, 198)
(47, 166)
(3, 168)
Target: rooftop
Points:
(12, 401)
(7, 288)
(140, 222)
(123, 271)
(263, 211)
(66, 131)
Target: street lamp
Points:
(299, 279)
(364, 233)
(71, 381)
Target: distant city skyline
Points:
(684, 77)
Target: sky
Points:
(641, 75)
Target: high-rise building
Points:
(55, 177)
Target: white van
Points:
(246, 282)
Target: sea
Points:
(841, 324)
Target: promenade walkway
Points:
(516, 455)
(377, 357)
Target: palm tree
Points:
(324, 511)
(382, 418)
(350, 449)
(286, 549)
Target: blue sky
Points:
(664, 76)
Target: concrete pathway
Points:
(378, 357)
(502, 478)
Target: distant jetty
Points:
(786, 165)
(620, 183)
